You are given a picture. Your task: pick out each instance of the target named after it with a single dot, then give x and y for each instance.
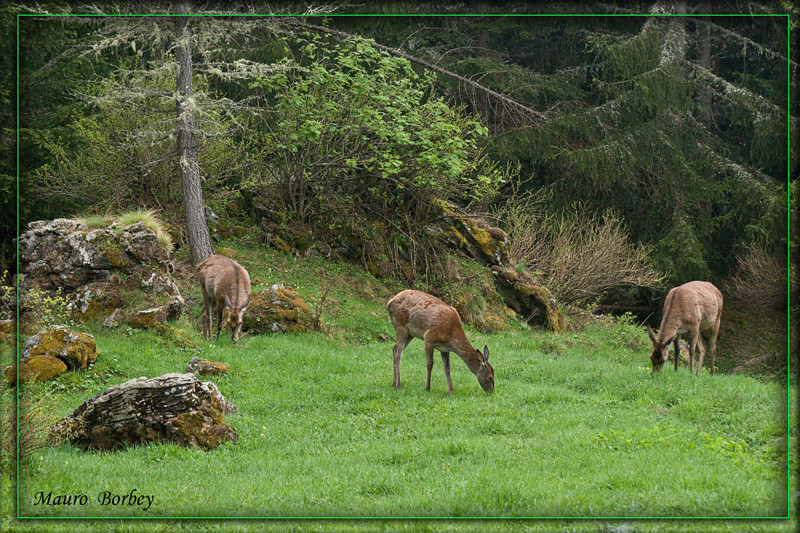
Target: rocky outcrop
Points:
(175, 408)
(93, 267)
(529, 300)
(276, 309)
(77, 350)
(64, 253)
(486, 244)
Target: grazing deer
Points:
(691, 308)
(225, 284)
(420, 315)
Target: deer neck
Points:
(467, 353)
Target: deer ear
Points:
(652, 335)
(485, 353)
(227, 302)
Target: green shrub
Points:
(578, 255)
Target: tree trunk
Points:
(196, 228)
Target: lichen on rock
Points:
(175, 408)
(205, 367)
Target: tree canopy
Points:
(677, 123)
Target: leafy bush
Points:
(39, 308)
(359, 146)
(578, 255)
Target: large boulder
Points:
(175, 408)
(529, 299)
(75, 349)
(276, 309)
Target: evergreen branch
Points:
(761, 103)
(754, 180)
(747, 41)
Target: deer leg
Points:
(204, 322)
(446, 364)
(397, 354)
(428, 363)
(702, 349)
(712, 341)
(692, 346)
(677, 343)
(220, 309)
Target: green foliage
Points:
(359, 120)
(95, 221)
(40, 308)
(45, 308)
(359, 146)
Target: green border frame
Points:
(788, 516)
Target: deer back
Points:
(696, 304)
(225, 281)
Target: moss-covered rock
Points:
(76, 349)
(36, 368)
(148, 318)
(531, 301)
(276, 309)
(485, 243)
(205, 367)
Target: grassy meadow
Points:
(577, 427)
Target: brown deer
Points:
(691, 308)
(225, 285)
(420, 315)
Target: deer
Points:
(415, 314)
(690, 308)
(225, 285)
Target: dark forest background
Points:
(663, 135)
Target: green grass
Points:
(151, 220)
(95, 221)
(577, 426)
